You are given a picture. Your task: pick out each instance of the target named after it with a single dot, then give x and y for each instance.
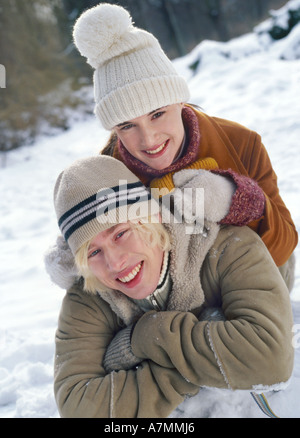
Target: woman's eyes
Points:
(158, 114)
(124, 128)
(154, 116)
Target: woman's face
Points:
(122, 260)
(155, 138)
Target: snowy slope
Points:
(246, 80)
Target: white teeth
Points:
(132, 274)
(160, 148)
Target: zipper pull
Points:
(154, 303)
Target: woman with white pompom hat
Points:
(142, 100)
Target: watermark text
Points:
(130, 202)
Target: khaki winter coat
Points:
(252, 349)
(235, 147)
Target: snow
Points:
(252, 80)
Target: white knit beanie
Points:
(133, 76)
(96, 193)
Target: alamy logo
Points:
(134, 202)
(128, 202)
(2, 76)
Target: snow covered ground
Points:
(246, 80)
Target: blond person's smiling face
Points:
(154, 138)
(122, 260)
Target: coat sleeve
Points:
(83, 388)
(253, 346)
(276, 227)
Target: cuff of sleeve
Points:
(248, 201)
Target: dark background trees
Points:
(181, 24)
(44, 70)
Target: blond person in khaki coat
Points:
(139, 349)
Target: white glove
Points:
(217, 191)
(60, 264)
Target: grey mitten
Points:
(215, 197)
(119, 355)
(60, 264)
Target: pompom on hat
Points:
(96, 193)
(133, 76)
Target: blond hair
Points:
(153, 234)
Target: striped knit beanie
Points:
(95, 193)
(133, 76)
